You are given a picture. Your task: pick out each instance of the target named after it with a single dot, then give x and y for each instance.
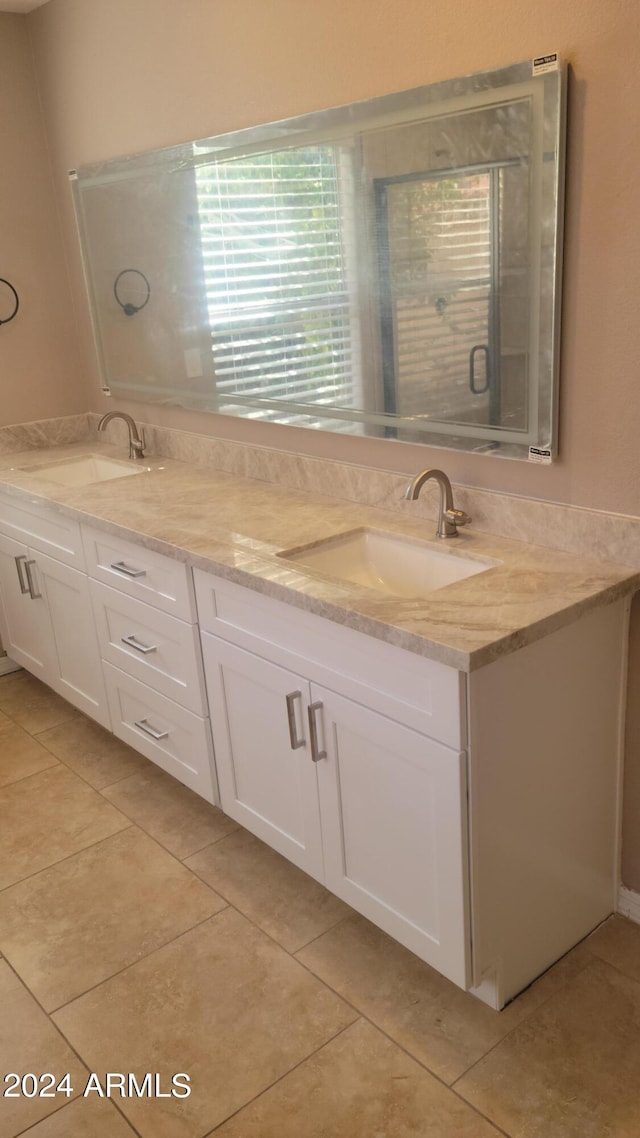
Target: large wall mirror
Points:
(389, 268)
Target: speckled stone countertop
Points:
(236, 528)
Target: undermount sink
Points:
(85, 469)
(386, 562)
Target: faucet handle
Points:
(136, 446)
(457, 517)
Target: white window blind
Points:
(274, 263)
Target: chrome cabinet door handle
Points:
(128, 570)
(23, 557)
(291, 717)
(133, 643)
(316, 754)
(145, 726)
(30, 581)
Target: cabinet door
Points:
(393, 808)
(25, 625)
(266, 783)
(77, 667)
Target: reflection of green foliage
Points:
(420, 207)
(272, 244)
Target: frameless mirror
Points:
(389, 268)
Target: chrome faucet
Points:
(136, 444)
(448, 518)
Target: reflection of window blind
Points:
(272, 244)
(439, 249)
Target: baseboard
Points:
(8, 665)
(629, 904)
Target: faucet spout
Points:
(136, 443)
(448, 517)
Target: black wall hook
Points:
(15, 297)
(130, 309)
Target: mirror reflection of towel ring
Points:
(15, 297)
(130, 309)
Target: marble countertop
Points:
(236, 527)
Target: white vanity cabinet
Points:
(473, 818)
(46, 618)
(321, 766)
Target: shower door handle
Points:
(472, 369)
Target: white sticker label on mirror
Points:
(545, 63)
(540, 454)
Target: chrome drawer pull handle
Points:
(291, 717)
(316, 754)
(133, 643)
(23, 557)
(121, 567)
(30, 581)
(144, 725)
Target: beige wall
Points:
(121, 76)
(39, 365)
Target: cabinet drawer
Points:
(150, 645)
(43, 528)
(173, 738)
(423, 694)
(140, 572)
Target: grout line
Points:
(421, 1063)
(284, 1075)
(63, 1106)
(215, 841)
(32, 774)
(67, 857)
(360, 1018)
(69, 1044)
(329, 929)
(158, 841)
(42, 730)
(359, 1013)
(82, 777)
(132, 963)
(56, 1110)
(525, 1019)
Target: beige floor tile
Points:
(176, 817)
(445, 1028)
(73, 925)
(279, 897)
(30, 1043)
(358, 1086)
(570, 1071)
(20, 754)
(31, 703)
(223, 1004)
(48, 816)
(84, 1118)
(618, 942)
(92, 752)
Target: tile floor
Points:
(142, 931)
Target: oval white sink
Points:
(85, 469)
(386, 562)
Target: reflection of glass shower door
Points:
(438, 237)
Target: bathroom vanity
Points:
(447, 764)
